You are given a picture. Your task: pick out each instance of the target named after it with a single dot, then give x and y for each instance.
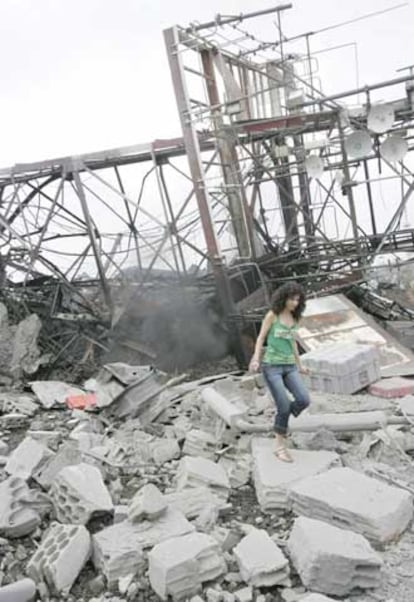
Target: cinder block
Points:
(147, 503)
(273, 479)
(178, 567)
(192, 502)
(340, 368)
(20, 591)
(351, 500)
(17, 518)
(261, 562)
(200, 443)
(331, 560)
(78, 493)
(61, 556)
(392, 388)
(199, 472)
(27, 458)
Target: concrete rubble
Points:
(351, 500)
(180, 566)
(191, 501)
(333, 561)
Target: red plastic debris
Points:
(81, 402)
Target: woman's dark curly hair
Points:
(285, 292)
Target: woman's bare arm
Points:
(264, 329)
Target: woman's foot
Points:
(282, 453)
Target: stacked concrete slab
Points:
(261, 562)
(61, 556)
(331, 560)
(351, 500)
(180, 566)
(273, 479)
(78, 492)
(340, 368)
(199, 472)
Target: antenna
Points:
(314, 166)
(394, 149)
(358, 144)
(380, 118)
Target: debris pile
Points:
(166, 488)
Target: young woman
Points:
(281, 365)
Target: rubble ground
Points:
(159, 491)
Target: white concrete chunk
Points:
(273, 479)
(17, 518)
(179, 566)
(20, 591)
(196, 472)
(78, 493)
(332, 561)
(164, 450)
(53, 392)
(61, 556)
(147, 503)
(316, 598)
(238, 468)
(192, 502)
(200, 443)
(26, 458)
(351, 500)
(261, 562)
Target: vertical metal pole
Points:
(305, 197)
(192, 146)
(92, 236)
(370, 201)
(348, 189)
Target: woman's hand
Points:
(304, 370)
(254, 365)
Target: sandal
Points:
(282, 453)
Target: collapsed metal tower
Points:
(234, 193)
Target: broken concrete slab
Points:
(148, 503)
(392, 388)
(406, 405)
(227, 410)
(145, 534)
(193, 501)
(52, 393)
(273, 479)
(196, 472)
(14, 402)
(164, 450)
(78, 492)
(27, 458)
(17, 518)
(332, 561)
(20, 591)
(260, 560)
(200, 443)
(351, 500)
(238, 468)
(178, 567)
(67, 455)
(61, 556)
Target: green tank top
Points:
(280, 346)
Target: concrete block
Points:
(196, 472)
(144, 535)
(27, 458)
(351, 500)
(261, 562)
(147, 503)
(238, 468)
(273, 479)
(63, 552)
(244, 595)
(200, 443)
(192, 502)
(53, 392)
(20, 591)
(78, 493)
(178, 567)
(333, 561)
(406, 405)
(224, 408)
(117, 553)
(17, 518)
(339, 368)
(392, 388)
(68, 455)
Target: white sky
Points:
(85, 75)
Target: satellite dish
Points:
(380, 118)
(394, 148)
(358, 144)
(314, 166)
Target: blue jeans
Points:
(279, 378)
